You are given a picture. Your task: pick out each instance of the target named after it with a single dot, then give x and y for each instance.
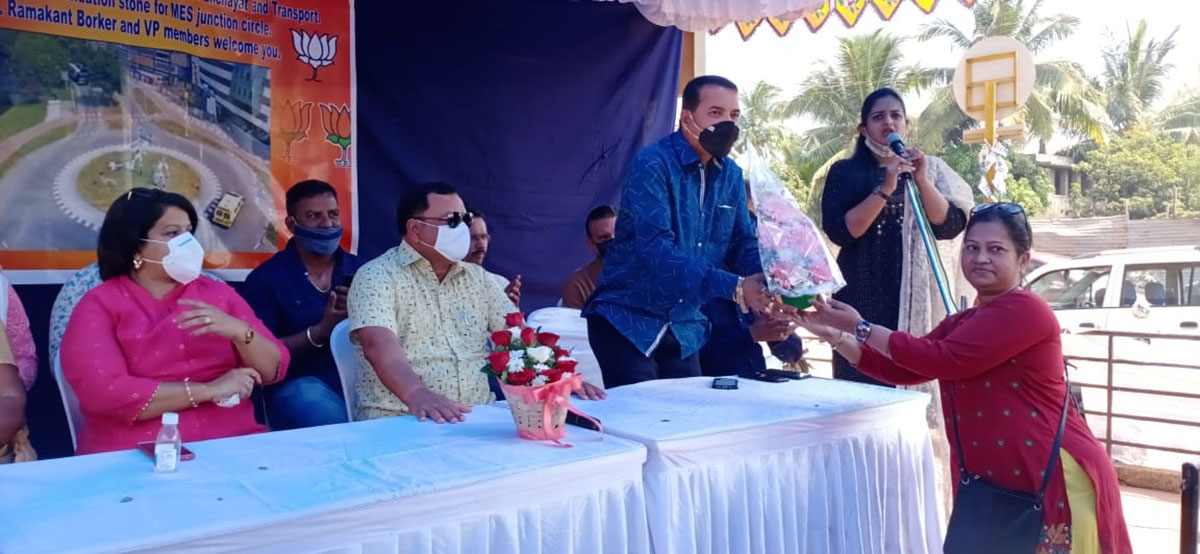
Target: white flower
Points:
(541, 354)
(516, 362)
(539, 380)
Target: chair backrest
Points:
(347, 366)
(69, 400)
(1128, 294)
(1156, 294)
(573, 336)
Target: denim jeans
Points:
(303, 402)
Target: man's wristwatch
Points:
(862, 332)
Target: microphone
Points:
(897, 145)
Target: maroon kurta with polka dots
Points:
(121, 343)
(1003, 361)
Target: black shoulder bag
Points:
(988, 519)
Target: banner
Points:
(227, 102)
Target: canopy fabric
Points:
(781, 15)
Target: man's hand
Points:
(591, 392)
(513, 291)
(761, 301)
(425, 403)
(766, 329)
(335, 312)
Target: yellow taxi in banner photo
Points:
(224, 211)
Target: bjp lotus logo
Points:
(295, 126)
(336, 121)
(314, 50)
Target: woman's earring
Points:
(137, 262)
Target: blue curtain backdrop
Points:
(531, 108)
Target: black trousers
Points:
(622, 363)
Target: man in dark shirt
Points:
(300, 295)
(683, 220)
(601, 227)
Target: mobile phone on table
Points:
(575, 419)
(147, 448)
(765, 377)
(793, 375)
(725, 383)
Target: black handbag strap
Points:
(1062, 426)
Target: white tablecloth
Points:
(812, 466)
(394, 485)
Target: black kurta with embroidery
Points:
(873, 263)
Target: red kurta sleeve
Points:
(979, 342)
(93, 362)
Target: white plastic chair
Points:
(347, 366)
(69, 400)
(573, 336)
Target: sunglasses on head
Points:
(1009, 208)
(454, 219)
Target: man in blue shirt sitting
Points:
(300, 295)
(683, 220)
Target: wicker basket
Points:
(536, 414)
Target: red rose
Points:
(547, 339)
(498, 362)
(560, 353)
(520, 378)
(502, 338)
(514, 319)
(566, 365)
(528, 335)
(553, 375)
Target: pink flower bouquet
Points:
(795, 259)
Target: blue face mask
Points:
(321, 242)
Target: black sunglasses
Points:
(1009, 208)
(453, 220)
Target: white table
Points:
(394, 485)
(812, 466)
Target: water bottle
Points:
(168, 445)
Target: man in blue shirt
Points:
(683, 219)
(300, 295)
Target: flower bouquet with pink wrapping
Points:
(795, 259)
(537, 377)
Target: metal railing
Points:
(1111, 389)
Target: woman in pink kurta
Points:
(155, 337)
(1000, 368)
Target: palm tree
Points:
(1064, 99)
(832, 94)
(763, 118)
(1135, 71)
(1181, 118)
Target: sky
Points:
(786, 61)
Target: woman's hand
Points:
(238, 381)
(207, 319)
(892, 168)
(835, 314)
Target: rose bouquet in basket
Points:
(537, 378)
(797, 263)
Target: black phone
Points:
(347, 279)
(725, 383)
(765, 377)
(574, 419)
(793, 375)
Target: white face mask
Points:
(184, 258)
(451, 243)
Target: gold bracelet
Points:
(187, 387)
(739, 295)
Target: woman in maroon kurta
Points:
(1001, 365)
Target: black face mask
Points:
(602, 247)
(718, 139)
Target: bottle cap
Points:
(170, 418)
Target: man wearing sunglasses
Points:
(420, 315)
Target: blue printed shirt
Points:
(672, 246)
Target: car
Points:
(1138, 290)
(226, 210)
